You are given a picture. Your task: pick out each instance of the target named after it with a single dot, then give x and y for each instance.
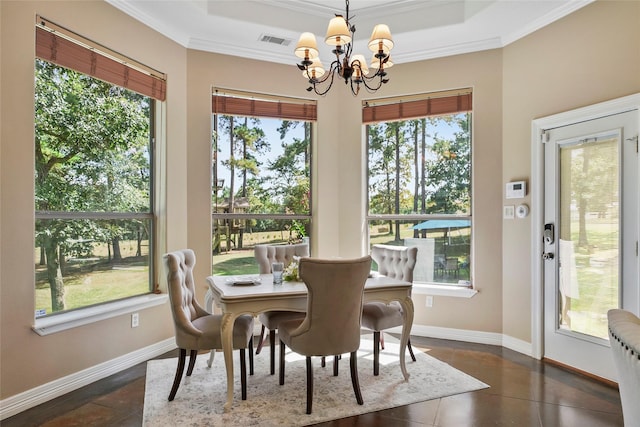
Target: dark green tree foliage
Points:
(91, 155)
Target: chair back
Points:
(396, 262)
(182, 296)
(334, 305)
(267, 254)
(624, 336)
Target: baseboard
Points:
(520, 346)
(478, 337)
(21, 402)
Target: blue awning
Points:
(434, 224)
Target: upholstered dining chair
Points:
(195, 328)
(332, 322)
(396, 262)
(624, 337)
(265, 255)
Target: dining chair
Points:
(332, 323)
(195, 328)
(396, 262)
(624, 337)
(265, 255)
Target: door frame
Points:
(538, 126)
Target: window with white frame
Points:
(419, 181)
(94, 156)
(261, 175)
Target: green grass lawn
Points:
(84, 289)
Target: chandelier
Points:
(352, 68)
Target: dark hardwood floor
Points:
(523, 392)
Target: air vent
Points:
(275, 40)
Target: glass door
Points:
(590, 237)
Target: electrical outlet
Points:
(429, 301)
(135, 320)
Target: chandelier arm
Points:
(372, 88)
(327, 75)
(335, 65)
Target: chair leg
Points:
(179, 371)
(282, 350)
(309, 385)
(243, 373)
(212, 354)
(192, 361)
(335, 365)
(376, 353)
(272, 344)
(261, 342)
(250, 345)
(413, 357)
(354, 377)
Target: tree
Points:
(91, 155)
(589, 195)
(390, 157)
(449, 170)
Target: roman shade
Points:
(240, 104)
(433, 104)
(65, 48)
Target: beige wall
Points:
(590, 56)
(511, 87)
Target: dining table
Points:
(253, 294)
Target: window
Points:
(419, 181)
(261, 175)
(94, 223)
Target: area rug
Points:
(201, 398)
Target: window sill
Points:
(443, 290)
(64, 321)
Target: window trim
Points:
(66, 320)
(437, 289)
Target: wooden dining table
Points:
(254, 294)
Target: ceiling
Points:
(421, 29)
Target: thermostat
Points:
(516, 190)
(522, 211)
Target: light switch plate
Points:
(509, 212)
